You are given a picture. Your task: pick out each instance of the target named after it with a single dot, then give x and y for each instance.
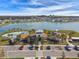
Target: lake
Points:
(42, 25)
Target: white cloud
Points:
(31, 2)
(47, 9)
(35, 2)
(67, 13)
(17, 2)
(44, 10)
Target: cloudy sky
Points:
(39, 7)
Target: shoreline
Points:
(36, 22)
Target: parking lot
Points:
(52, 50)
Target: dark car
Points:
(76, 48)
(36, 47)
(30, 47)
(48, 57)
(78, 55)
(21, 47)
(48, 48)
(68, 48)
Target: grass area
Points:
(67, 31)
(71, 58)
(68, 58)
(3, 41)
(73, 33)
(60, 43)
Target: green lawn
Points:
(68, 58)
(74, 33)
(3, 41)
(71, 58)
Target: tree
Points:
(71, 33)
(63, 37)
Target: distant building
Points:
(44, 18)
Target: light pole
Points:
(63, 55)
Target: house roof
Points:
(39, 30)
(23, 36)
(75, 38)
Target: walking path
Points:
(67, 40)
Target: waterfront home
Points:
(13, 34)
(24, 38)
(54, 39)
(40, 33)
(56, 33)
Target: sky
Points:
(39, 7)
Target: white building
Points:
(39, 33)
(75, 38)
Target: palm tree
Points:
(36, 41)
(42, 40)
(63, 37)
(70, 35)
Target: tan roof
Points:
(23, 36)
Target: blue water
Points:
(42, 25)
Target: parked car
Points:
(36, 47)
(78, 55)
(76, 48)
(68, 48)
(41, 48)
(21, 47)
(48, 57)
(48, 48)
(30, 47)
